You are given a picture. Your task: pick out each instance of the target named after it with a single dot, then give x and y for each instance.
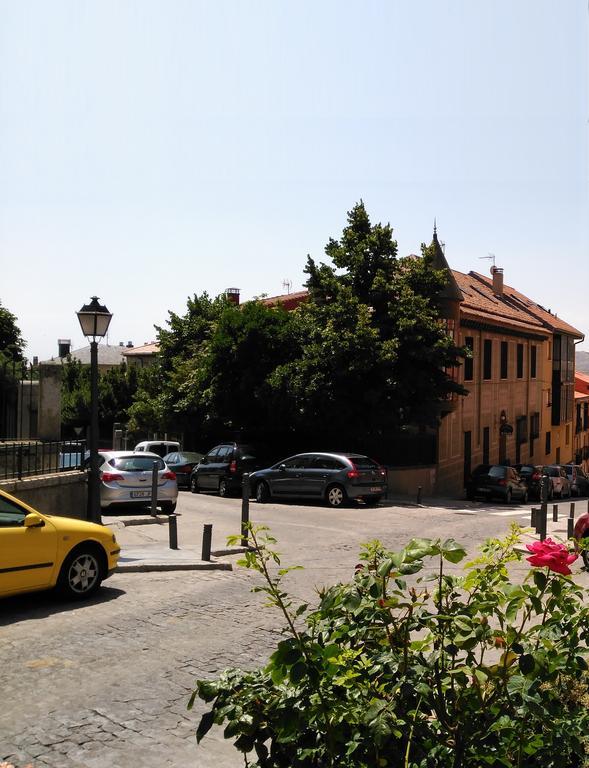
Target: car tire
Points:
(194, 485)
(223, 488)
(82, 572)
(262, 493)
(168, 507)
(508, 496)
(336, 496)
(525, 498)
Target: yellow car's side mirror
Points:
(33, 520)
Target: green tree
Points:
(117, 389)
(11, 341)
(374, 349)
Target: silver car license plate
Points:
(376, 489)
(140, 494)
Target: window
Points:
(521, 429)
(535, 425)
(468, 361)
(533, 361)
(11, 516)
(486, 441)
(487, 358)
(520, 361)
(547, 447)
(504, 354)
(578, 421)
(327, 462)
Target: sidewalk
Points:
(142, 552)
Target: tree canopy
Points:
(11, 341)
(366, 354)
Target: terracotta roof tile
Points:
(145, 349)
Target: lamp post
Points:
(94, 319)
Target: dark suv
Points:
(222, 469)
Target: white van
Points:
(161, 447)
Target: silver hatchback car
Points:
(126, 477)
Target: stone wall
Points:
(62, 494)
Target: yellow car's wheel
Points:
(81, 573)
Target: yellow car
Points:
(43, 551)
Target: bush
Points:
(445, 671)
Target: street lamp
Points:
(94, 319)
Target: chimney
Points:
(64, 347)
(129, 345)
(232, 295)
(497, 273)
(121, 343)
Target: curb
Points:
(147, 567)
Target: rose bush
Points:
(411, 665)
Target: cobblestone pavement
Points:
(106, 683)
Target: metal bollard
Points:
(173, 530)
(419, 494)
(570, 528)
(543, 521)
(572, 510)
(245, 509)
(207, 535)
(154, 488)
(533, 517)
(555, 513)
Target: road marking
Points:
(510, 513)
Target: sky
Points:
(154, 149)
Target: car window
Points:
(327, 462)
(363, 462)
(482, 469)
(552, 471)
(497, 471)
(189, 458)
(11, 515)
(140, 448)
(171, 458)
(526, 469)
(225, 452)
(136, 463)
(299, 462)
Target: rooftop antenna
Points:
(490, 256)
(287, 285)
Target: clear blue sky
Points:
(150, 150)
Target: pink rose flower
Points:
(552, 555)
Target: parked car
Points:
(578, 479)
(182, 463)
(498, 481)
(126, 477)
(71, 454)
(561, 486)
(333, 477)
(43, 551)
(161, 447)
(532, 475)
(222, 468)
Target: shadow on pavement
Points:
(37, 605)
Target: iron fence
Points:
(20, 459)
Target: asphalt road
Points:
(106, 682)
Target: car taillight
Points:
(110, 477)
(169, 475)
(352, 473)
(184, 470)
(536, 476)
(233, 466)
(502, 482)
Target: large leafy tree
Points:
(11, 341)
(374, 348)
(117, 389)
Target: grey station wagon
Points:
(332, 477)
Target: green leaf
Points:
(540, 579)
(526, 663)
(452, 551)
(207, 690)
(297, 672)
